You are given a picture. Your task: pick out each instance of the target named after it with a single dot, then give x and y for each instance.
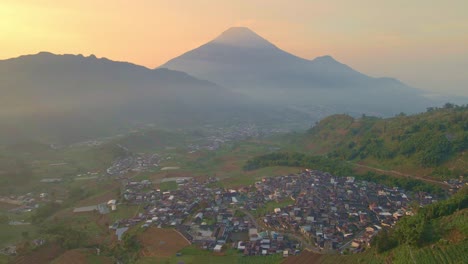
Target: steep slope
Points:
(242, 60)
(73, 97)
(431, 144)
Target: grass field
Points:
(225, 163)
(124, 211)
(161, 243)
(168, 186)
(4, 259)
(82, 256)
(270, 206)
(12, 234)
(194, 255)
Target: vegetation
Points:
(15, 171)
(434, 140)
(424, 228)
(333, 166)
(270, 206)
(436, 234)
(404, 183)
(44, 212)
(15, 233)
(337, 167)
(127, 252)
(65, 235)
(168, 186)
(193, 254)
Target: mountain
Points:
(72, 97)
(244, 61)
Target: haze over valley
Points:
(227, 132)
(237, 77)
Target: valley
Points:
(233, 132)
(130, 183)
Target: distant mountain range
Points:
(72, 97)
(241, 60)
(238, 77)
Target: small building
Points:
(241, 245)
(218, 248)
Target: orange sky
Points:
(422, 44)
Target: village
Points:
(211, 140)
(311, 210)
(133, 162)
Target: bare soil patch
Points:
(43, 255)
(159, 242)
(7, 206)
(75, 256)
(455, 236)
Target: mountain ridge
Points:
(245, 62)
(73, 97)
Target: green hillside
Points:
(436, 234)
(430, 144)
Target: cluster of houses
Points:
(329, 212)
(216, 137)
(133, 162)
(267, 242)
(204, 213)
(27, 202)
(332, 211)
(456, 184)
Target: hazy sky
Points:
(421, 42)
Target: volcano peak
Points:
(242, 37)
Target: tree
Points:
(384, 241)
(25, 234)
(4, 219)
(66, 236)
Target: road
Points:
(351, 240)
(306, 244)
(252, 218)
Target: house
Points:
(253, 234)
(218, 248)
(241, 245)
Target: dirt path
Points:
(306, 244)
(443, 184)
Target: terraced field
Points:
(437, 254)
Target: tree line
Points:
(337, 167)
